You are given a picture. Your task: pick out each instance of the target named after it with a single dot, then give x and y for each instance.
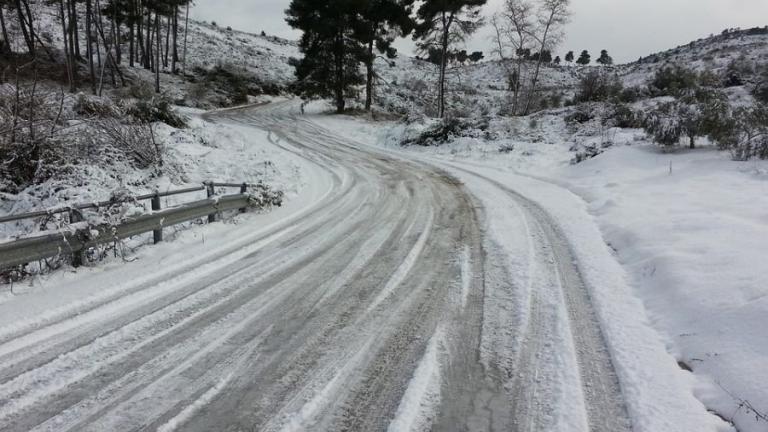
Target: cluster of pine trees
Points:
(340, 35)
(94, 34)
(585, 58)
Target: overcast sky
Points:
(628, 29)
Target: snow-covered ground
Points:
(689, 230)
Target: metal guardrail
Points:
(76, 242)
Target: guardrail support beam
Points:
(158, 233)
(78, 257)
(244, 190)
(211, 191)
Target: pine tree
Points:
(557, 60)
(382, 21)
(443, 23)
(584, 58)
(331, 50)
(569, 57)
(605, 59)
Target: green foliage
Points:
(747, 134)
(622, 116)
(584, 58)
(605, 59)
(569, 57)
(234, 83)
(673, 80)
(760, 91)
(597, 86)
(446, 129)
(156, 109)
(700, 113)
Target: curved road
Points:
(383, 306)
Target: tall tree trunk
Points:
(167, 42)
(75, 29)
(186, 31)
(535, 80)
(148, 49)
(175, 57)
(141, 52)
(340, 76)
(29, 39)
(70, 30)
(67, 53)
(131, 45)
(89, 42)
(447, 21)
(157, 54)
(369, 77)
(6, 44)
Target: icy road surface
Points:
(381, 305)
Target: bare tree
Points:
(514, 36)
(553, 15)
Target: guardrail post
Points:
(158, 233)
(211, 192)
(78, 257)
(244, 190)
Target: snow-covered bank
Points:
(220, 151)
(690, 243)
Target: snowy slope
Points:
(689, 229)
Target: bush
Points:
(701, 113)
(747, 136)
(597, 86)
(579, 116)
(673, 80)
(136, 141)
(622, 116)
(234, 83)
(139, 90)
(156, 109)
(631, 94)
(760, 91)
(445, 130)
(95, 106)
(29, 151)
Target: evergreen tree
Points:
(476, 56)
(382, 21)
(605, 59)
(557, 60)
(331, 50)
(442, 23)
(569, 57)
(584, 58)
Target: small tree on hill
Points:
(443, 23)
(584, 58)
(329, 67)
(605, 59)
(382, 21)
(476, 56)
(569, 57)
(699, 113)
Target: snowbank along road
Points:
(382, 305)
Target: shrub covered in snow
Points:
(747, 136)
(156, 109)
(446, 129)
(598, 86)
(700, 113)
(673, 80)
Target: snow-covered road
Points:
(385, 301)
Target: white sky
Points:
(628, 29)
